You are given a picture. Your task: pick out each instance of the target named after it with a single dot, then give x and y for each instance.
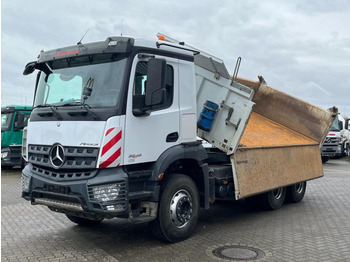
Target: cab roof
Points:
(112, 44)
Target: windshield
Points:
(81, 80)
(6, 121)
(335, 125)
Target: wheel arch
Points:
(186, 159)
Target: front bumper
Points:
(104, 195)
(331, 150)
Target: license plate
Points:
(57, 189)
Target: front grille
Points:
(332, 140)
(75, 157)
(62, 176)
(15, 154)
(16, 150)
(121, 200)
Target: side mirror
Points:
(30, 68)
(155, 89)
(347, 124)
(21, 123)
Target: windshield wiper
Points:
(40, 106)
(75, 103)
(83, 105)
(88, 109)
(53, 109)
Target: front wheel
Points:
(343, 151)
(296, 192)
(347, 150)
(178, 209)
(325, 159)
(84, 221)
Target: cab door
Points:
(148, 133)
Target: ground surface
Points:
(317, 229)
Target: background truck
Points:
(115, 126)
(13, 120)
(337, 142)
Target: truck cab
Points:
(336, 144)
(13, 120)
(109, 121)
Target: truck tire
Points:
(325, 159)
(343, 151)
(274, 199)
(178, 209)
(296, 192)
(84, 221)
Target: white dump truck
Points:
(115, 126)
(337, 142)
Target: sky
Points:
(300, 47)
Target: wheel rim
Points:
(299, 188)
(277, 193)
(181, 208)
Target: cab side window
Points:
(25, 119)
(140, 85)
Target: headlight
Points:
(25, 183)
(106, 193)
(4, 154)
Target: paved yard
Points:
(317, 229)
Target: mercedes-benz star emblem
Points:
(57, 156)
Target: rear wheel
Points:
(296, 192)
(274, 199)
(84, 221)
(178, 209)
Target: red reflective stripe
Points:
(111, 159)
(111, 142)
(109, 130)
(72, 52)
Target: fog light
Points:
(106, 193)
(25, 183)
(115, 207)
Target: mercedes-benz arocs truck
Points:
(337, 142)
(115, 126)
(13, 120)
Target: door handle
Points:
(172, 137)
